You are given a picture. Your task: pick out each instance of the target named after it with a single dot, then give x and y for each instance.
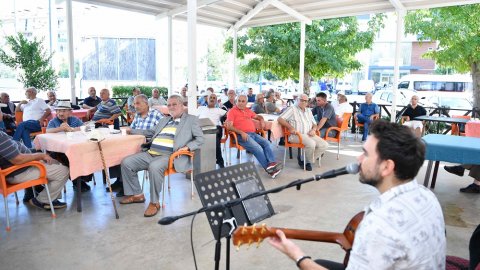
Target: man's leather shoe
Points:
(308, 167)
(152, 209)
(457, 170)
(140, 198)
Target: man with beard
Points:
(400, 227)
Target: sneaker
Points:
(275, 173)
(36, 203)
(472, 188)
(457, 170)
(271, 167)
(308, 167)
(56, 205)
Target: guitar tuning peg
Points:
(244, 230)
(264, 228)
(258, 243)
(249, 244)
(237, 248)
(239, 244)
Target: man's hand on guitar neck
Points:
(293, 251)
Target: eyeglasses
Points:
(303, 100)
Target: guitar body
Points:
(256, 234)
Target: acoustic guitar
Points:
(255, 234)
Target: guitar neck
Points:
(318, 236)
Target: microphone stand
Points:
(229, 204)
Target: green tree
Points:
(457, 30)
(31, 61)
(330, 48)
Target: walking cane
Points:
(107, 176)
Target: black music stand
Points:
(220, 186)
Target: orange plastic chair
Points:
(7, 188)
(19, 119)
(233, 144)
(224, 139)
(359, 125)
(456, 128)
(129, 115)
(289, 144)
(171, 170)
(343, 126)
(104, 122)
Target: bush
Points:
(126, 91)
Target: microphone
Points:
(351, 168)
(167, 220)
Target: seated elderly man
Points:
(212, 112)
(299, 120)
(7, 113)
(179, 131)
(106, 109)
(92, 100)
(239, 120)
(227, 105)
(135, 92)
(156, 99)
(52, 99)
(414, 110)
(270, 106)
(65, 122)
(259, 105)
(35, 111)
(341, 106)
(15, 153)
(145, 117)
(368, 111)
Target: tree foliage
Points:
(31, 61)
(330, 47)
(457, 30)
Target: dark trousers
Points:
(218, 147)
(330, 265)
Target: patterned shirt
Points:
(402, 229)
(163, 143)
(302, 121)
(106, 110)
(149, 122)
(9, 149)
(72, 121)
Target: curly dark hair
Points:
(399, 143)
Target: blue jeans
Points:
(24, 129)
(365, 120)
(259, 146)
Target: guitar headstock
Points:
(250, 234)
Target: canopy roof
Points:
(251, 13)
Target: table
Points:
(455, 149)
(438, 119)
(472, 129)
(82, 113)
(83, 154)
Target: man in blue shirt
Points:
(65, 122)
(145, 118)
(92, 100)
(368, 112)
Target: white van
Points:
(366, 86)
(444, 85)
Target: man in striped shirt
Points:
(299, 120)
(106, 109)
(15, 153)
(145, 118)
(179, 131)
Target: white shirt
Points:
(402, 229)
(341, 108)
(34, 109)
(156, 101)
(213, 114)
(302, 121)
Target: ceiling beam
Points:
(259, 7)
(165, 2)
(217, 15)
(226, 9)
(397, 4)
(183, 9)
(292, 12)
(237, 3)
(121, 7)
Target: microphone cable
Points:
(191, 241)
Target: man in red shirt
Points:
(239, 120)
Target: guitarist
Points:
(404, 227)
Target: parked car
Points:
(343, 86)
(403, 97)
(366, 86)
(450, 105)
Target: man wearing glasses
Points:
(301, 123)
